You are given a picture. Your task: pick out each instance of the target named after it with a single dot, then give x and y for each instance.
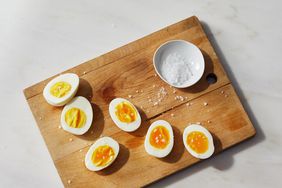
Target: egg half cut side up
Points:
(198, 141)
(77, 116)
(159, 139)
(124, 114)
(61, 89)
(101, 154)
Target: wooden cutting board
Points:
(126, 71)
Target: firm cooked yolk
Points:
(125, 112)
(75, 118)
(198, 141)
(60, 89)
(103, 155)
(159, 137)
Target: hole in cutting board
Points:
(211, 78)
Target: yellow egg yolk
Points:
(103, 155)
(198, 142)
(75, 118)
(159, 137)
(125, 112)
(60, 89)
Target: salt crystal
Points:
(172, 115)
(130, 96)
(69, 181)
(205, 104)
(176, 69)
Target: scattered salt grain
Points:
(225, 96)
(69, 181)
(209, 121)
(172, 115)
(70, 139)
(154, 86)
(205, 104)
(137, 91)
(222, 92)
(130, 96)
(84, 72)
(59, 127)
(80, 150)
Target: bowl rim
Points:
(187, 43)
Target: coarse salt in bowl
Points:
(179, 63)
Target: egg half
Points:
(198, 141)
(101, 154)
(124, 114)
(159, 139)
(61, 89)
(77, 116)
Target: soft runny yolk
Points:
(159, 137)
(125, 112)
(75, 118)
(60, 89)
(103, 155)
(198, 141)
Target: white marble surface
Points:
(40, 38)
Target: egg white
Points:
(83, 104)
(100, 142)
(70, 78)
(128, 127)
(195, 127)
(151, 150)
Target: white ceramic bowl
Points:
(187, 51)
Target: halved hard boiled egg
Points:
(61, 89)
(159, 139)
(77, 116)
(124, 114)
(198, 141)
(101, 154)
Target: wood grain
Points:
(128, 71)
